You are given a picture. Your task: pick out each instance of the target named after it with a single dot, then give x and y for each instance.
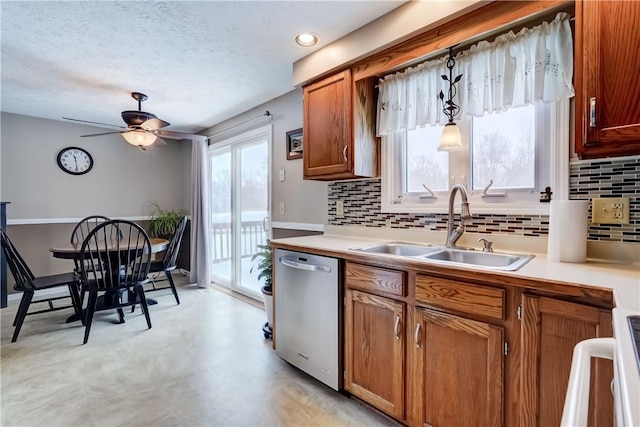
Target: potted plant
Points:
(163, 223)
(265, 267)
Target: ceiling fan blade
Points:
(159, 142)
(176, 135)
(100, 134)
(154, 124)
(94, 123)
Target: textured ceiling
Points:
(199, 62)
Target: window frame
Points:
(555, 125)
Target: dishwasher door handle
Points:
(302, 266)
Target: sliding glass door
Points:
(240, 194)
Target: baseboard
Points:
(238, 295)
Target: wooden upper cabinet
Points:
(459, 371)
(550, 330)
(374, 342)
(607, 70)
(339, 131)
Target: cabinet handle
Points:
(344, 153)
(592, 112)
(396, 328)
(416, 336)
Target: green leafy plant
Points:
(163, 223)
(264, 265)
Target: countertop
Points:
(622, 278)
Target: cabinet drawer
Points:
(464, 297)
(375, 279)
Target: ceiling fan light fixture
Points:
(306, 39)
(139, 138)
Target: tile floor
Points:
(204, 363)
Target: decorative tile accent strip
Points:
(609, 178)
(362, 208)
(600, 178)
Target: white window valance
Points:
(534, 65)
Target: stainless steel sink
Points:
(491, 260)
(447, 256)
(399, 248)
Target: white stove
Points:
(626, 370)
(626, 381)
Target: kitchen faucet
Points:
(453, 234)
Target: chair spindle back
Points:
(111, 263)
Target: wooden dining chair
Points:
(115, 268)
(169, 261)
(82, 230)
(28, 284)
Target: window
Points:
(516, 153)
(513, 95)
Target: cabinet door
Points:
(606, 74)
(328, 117)
(550, 330)
(459, 371)
(374, 351)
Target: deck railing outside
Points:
(252, 234)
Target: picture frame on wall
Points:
(294, 144)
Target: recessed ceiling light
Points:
(306, 39)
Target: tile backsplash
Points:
(598, 178)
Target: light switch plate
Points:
(339, 208)
(281, 175)
(610, 210)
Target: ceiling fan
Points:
(143, 129)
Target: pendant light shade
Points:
(450, 140)
(139, 138)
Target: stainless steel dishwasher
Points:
(308, 314)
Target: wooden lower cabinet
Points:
(459, 371)
(375, 351)
(430, 351)
(549, 331)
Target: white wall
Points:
(305, 201)
(123, 181)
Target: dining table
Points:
(73, 251)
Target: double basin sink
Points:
(449, 256)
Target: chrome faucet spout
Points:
(454, 233)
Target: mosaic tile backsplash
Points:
(602, 178)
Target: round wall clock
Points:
(75, 160)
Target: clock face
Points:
(75, 161)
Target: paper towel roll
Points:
(568, 230)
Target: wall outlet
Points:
(339, 208)
(281, 208)
(610, 210)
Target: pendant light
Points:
(450, 140)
